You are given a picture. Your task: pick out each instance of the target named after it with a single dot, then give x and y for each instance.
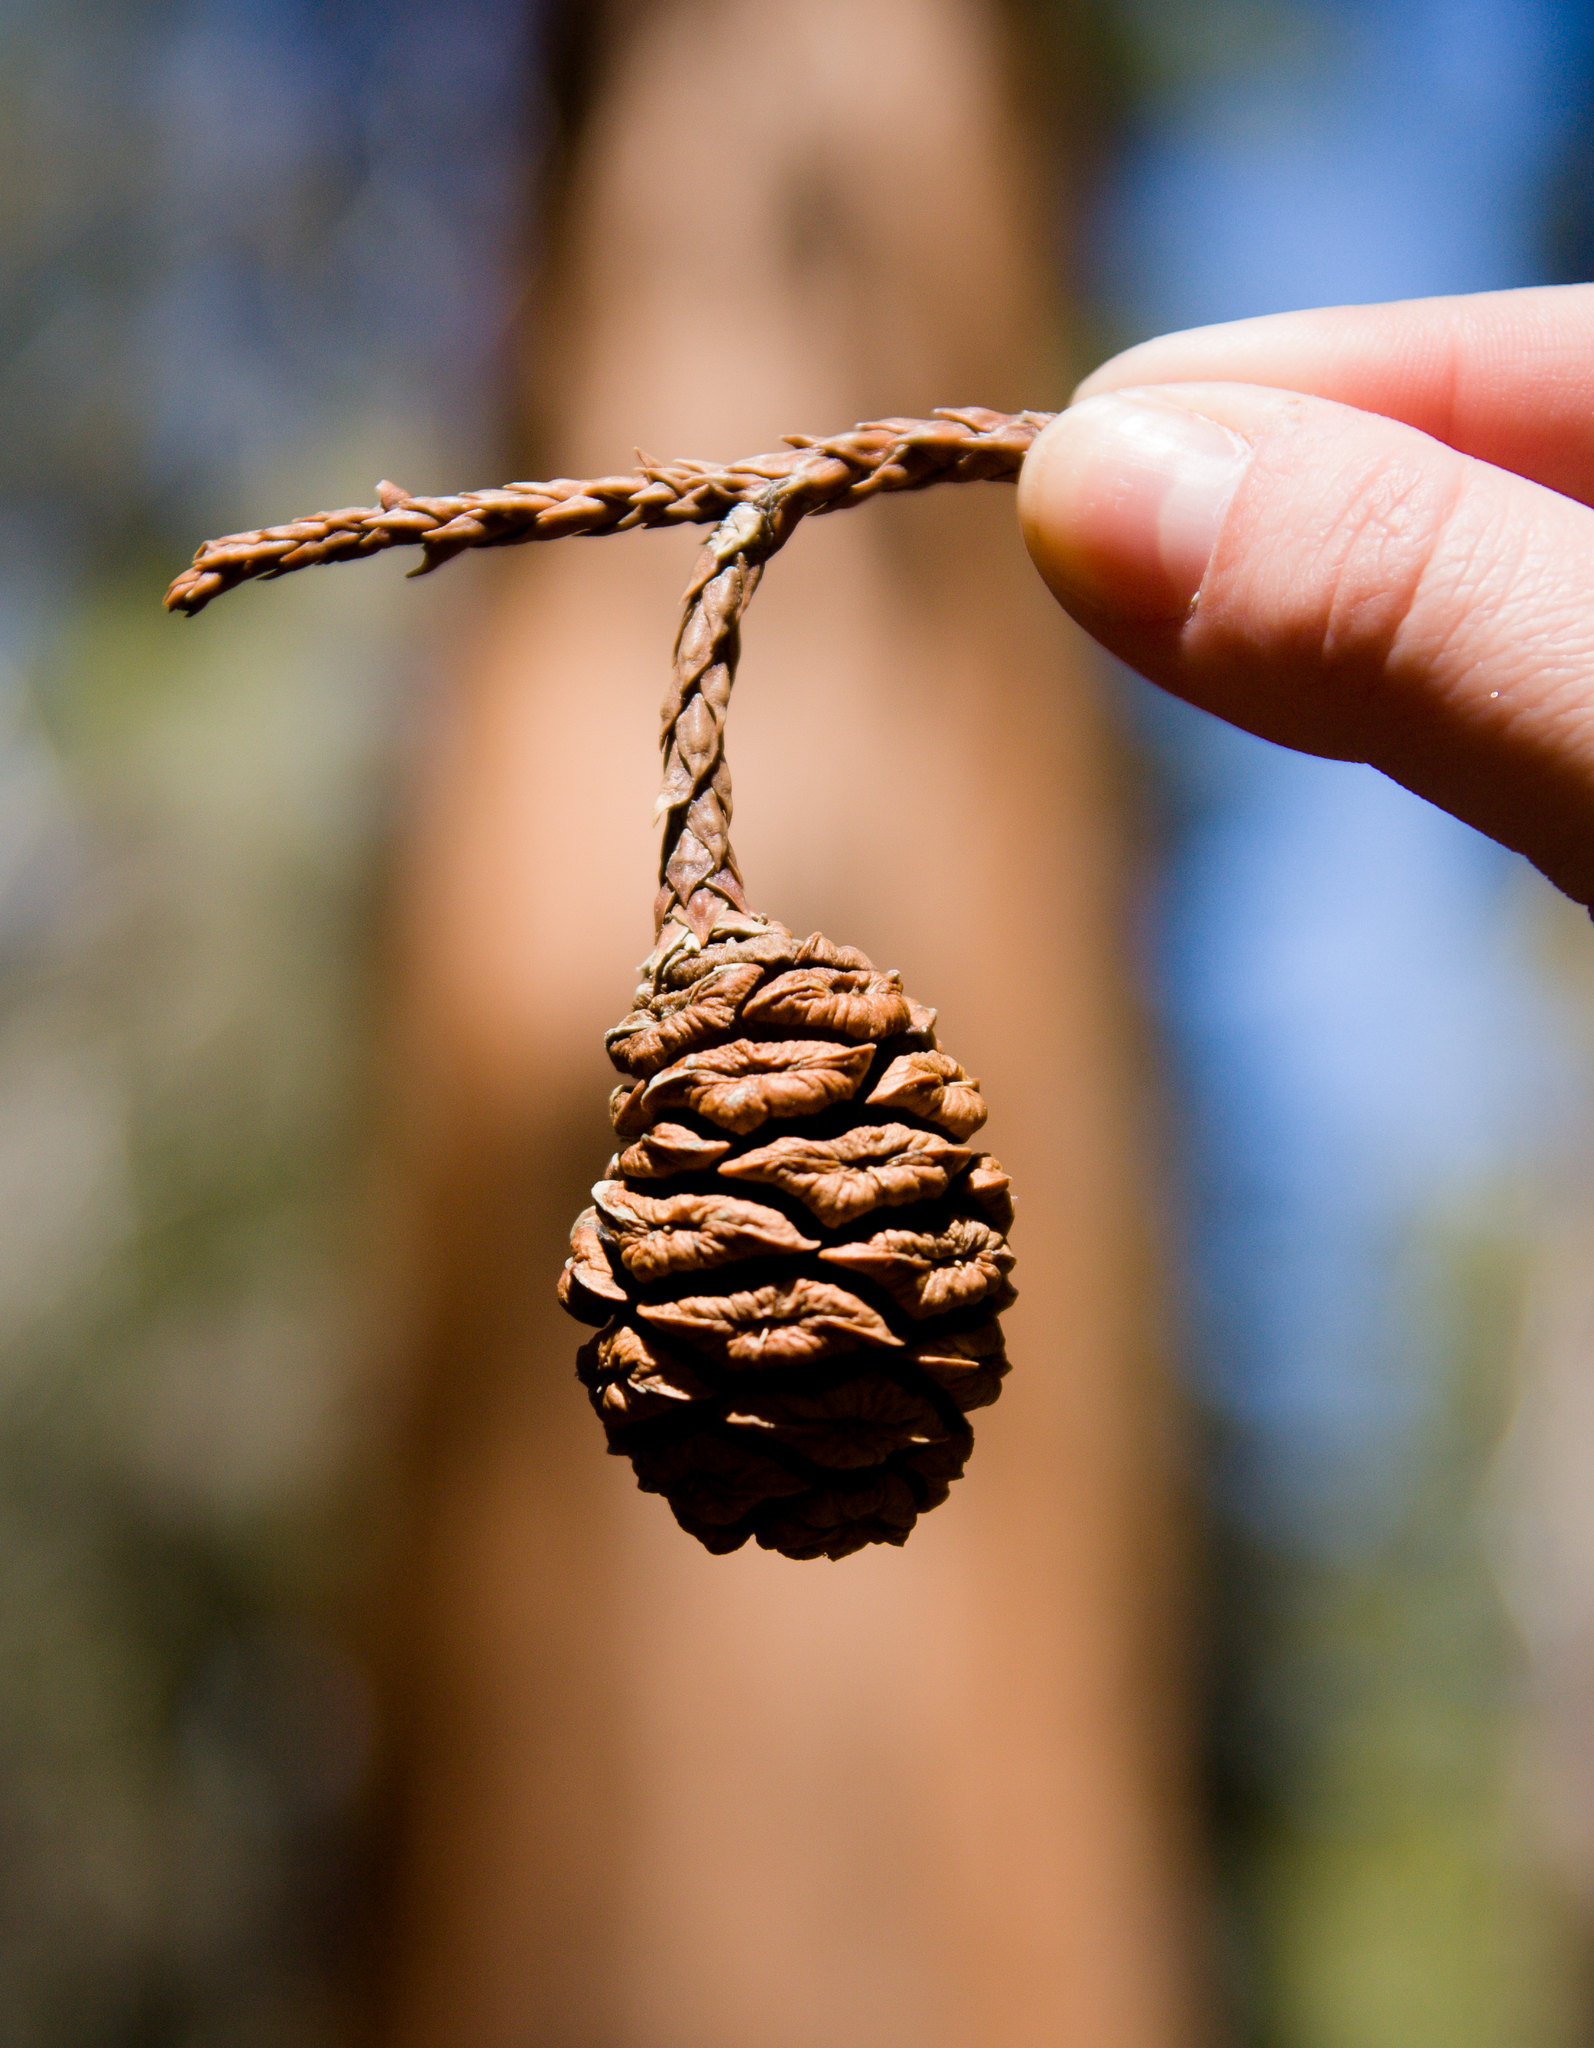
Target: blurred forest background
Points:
(253, 258)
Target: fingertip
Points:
(1121, 501)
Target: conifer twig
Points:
(811, 475)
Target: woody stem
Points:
(698, 876)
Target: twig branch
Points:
(756, 506)
(698, 875)
(963, 445)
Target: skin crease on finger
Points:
(1370, 595)
(1504, 376)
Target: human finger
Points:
(1340, 583)
(1505, 376)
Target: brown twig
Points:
(757, 504)
(962, 445)
(698, 875)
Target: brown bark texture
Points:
(650, 1797)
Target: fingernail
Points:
(1122, 498)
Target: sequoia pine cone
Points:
(777, 1357)
(797, 1259)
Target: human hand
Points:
(1364, 532)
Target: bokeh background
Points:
(346, 1694)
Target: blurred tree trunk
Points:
(652, 1799)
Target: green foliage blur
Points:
(241, 269)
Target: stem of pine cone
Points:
(698, 875)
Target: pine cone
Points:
(797, 1259)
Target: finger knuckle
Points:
(1378, 559)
